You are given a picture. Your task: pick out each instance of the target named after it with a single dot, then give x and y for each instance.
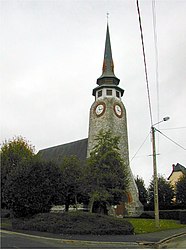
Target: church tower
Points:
(108, 113)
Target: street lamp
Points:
(156, 203)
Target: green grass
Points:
(148, 225)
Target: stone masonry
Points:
(118, 126)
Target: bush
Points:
(5, 213)
(13, 154)
(147, 215)
(169, 214)
(183, 217)
(32, 188)
(163, 214)
(75, 223)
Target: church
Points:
(107, 113)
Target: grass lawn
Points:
(148, 225)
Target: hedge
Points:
(5, 213)
(164, 214)
(75, 223)
(183, 217)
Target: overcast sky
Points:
(52, 54)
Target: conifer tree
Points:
(181, 191)
(165, 193)
(106, 173)
(143, 194)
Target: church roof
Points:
(57, 153)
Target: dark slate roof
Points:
(177, 168)
(57, 153)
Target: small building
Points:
(177, 171)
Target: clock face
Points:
(118, 110)
(100, 109)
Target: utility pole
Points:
(156, 202)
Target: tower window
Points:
(117, 94)
(109, 92)
(99, 93)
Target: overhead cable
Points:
(140, 147)
(156, 60)
(145, 64)
(173, 128)
(156, 55)
(170, 139)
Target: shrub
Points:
(13, 154)
(183, 217)
(75, 223)
(169, 214)
(32, 188)
(164, 214)
(147, 215)
(5, 213)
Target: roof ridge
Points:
(52, 147)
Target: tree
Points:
(13, 154)
(72, 181)
(106, 173)
(181, 191)
(33, 188)
(165, 193)
(143, 194)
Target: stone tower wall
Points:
(118, 126)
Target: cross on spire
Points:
(107, 16)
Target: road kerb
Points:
(170, 238)
(71, 241)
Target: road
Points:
(175, 243)
(12, 240)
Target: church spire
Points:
(108, 64)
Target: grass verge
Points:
(148, 225)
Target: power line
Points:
(170, 139)
(156, 54)
(145, 64)
(156, 61)
(173, 128)
(140, 147)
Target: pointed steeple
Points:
(108, 64)
(108, 78)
